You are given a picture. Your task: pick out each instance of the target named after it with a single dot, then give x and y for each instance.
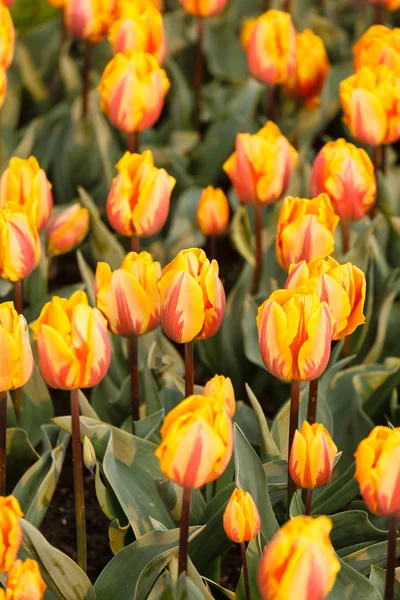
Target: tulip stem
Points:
(287, 6)
(307, 510)
(245, 570)
(189, 370)
(135, 244)
(293, 425)
(184, 531)
(212, 252)
(133, 357)
(18, 297)
(391, 560)
(3, 440)
(379, 15)
(259, 256)
(133, 142)
(78, 480)
(272, 103)
(345, 236)
(85, 79)
(312, 401)
(198, 72)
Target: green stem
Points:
(133, 357)
(78, 481)
(133, 142)
(259, 256)
(184, 530)
(293, 425)
(345, 236)
(245, 570)
(391, 560)
(312, 401)
(307, 510)
(189, 370)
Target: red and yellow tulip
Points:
(312, 456)
(387, 4)
(203, 8)
(19, 242)
(3, 85)
(16, 366)
(221, 387)
(241, 518)
(89, 19)
(7, 37)
(10, 531)
(24, 582)
(67, 229)
(212, 211)
(378, 46)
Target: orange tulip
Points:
(7, 37)
(241, 518)
(305, 229)
(378, 46)
(10, 531)
(261, 166)
(129, 297)
(342, 287)
(378, 471)
(133, 88)
(73, 345)
(89, 19)
(312, 67)
(67, 229)
(271, 50)
(299, 562)
(26, 183)
(203, 8)
(221, 387)
(312, 456)
(347, 175)
(192, 297)
(212, 211)
(294, 333)
(3, 85)
(387, 4)
(371, 105)
(138, 202)
(20, 244)
(196, 442)
(24, 582)
(16, 365)
(56, 3)
(8, 2)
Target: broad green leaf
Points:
(352, 528)
(378, 577)
(337, 494)
(253, 554)
(87, 277)
(20, 455)
(37, 406)
(376, 554)
(241, 235)
(350, 585)
(268, 445)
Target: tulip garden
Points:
(200, 299)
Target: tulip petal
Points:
(151, 210)
(25, 368)
(298, 460)
(9, 363)
(305, 239)
(92, 347)
(314, 354)
(367, 118)
(119, 210)
(58, 364)
(128, 306)
(275, 351)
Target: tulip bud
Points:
(294, 333)
(342, 287)
(3, 85)
(16, 365)
(10, 531)
(7, 37)
(241, 518)
(221, 387)
(271, 50)
(138, 202)
(89, 454)
(205, 8)
(129, 297)
(391, 5)
(261, 166)
(89, 19)
(24, 582)
(67, 229)
(370, 102)
(377, 471)
(312, 456)
(139, 27)
(192, 297)
(196, 442)
(212, 211)
(312, 67)
(299, 562)
(73, 345)
(25, 183)
(305, 229)
(133, 88)
(20, 244)
(378, 46)
(347, 175)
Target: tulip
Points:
(378, 46)
(271, 50)
(212, 211)
(299, 562)
(139, 27)
(123, 4)
(3, 85)
(241, 518)
(8, 2)
(73, 346)
(295, 332)
(7, 37)
(138, 202)
(312, 67)
(342, 287)
(26, 183)
(89, 19)
(24, 582)
(346, 174)
(56, 3)
(221, 387)
(305, 229)
(205, 8)
(67, 229)
(312, 456)
(371, 105)
(16, 365)
(10, 531)
(20, 243)
(391, 5)
(133, 88)
(192, 297)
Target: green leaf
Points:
(376, 554)
(87, 277)
(241, 235)
(253, 554)
(26, 14)
(268, 445)
(353, 528)
(350, 585)
(378, 577)
(37, 406)
(20, 455)
(337, 494)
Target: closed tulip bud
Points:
(16, 365)
(294, 333)
(271, 49)
(305, 229)
(312, 67)
(377, 471)
(299, 562)
(347, 175)
(138, 202)
(378, 46)
(129, 297)
(342, 287)
(26, 183)
(24, 582)
(391, 5)
(139, 27)
(212, 211)
(312, 456)
(261, 166)
(7, 37)
(3, 85)
(20, 244)
(221, 387)
(67, 229)
(10, 531)
(196, 442)
(192, 297)
(205, 8)
(133, 88)
(371, 104)
(89, 19)
(73, 345)
(241, 518)
(89, 454)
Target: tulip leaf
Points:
(352, 586)
(268, 445)
(378, 576)
(87, 277)
(20, 455)
(253, 554)
(376, 554)
(353, 528)
(37, 406)
(336, 494)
